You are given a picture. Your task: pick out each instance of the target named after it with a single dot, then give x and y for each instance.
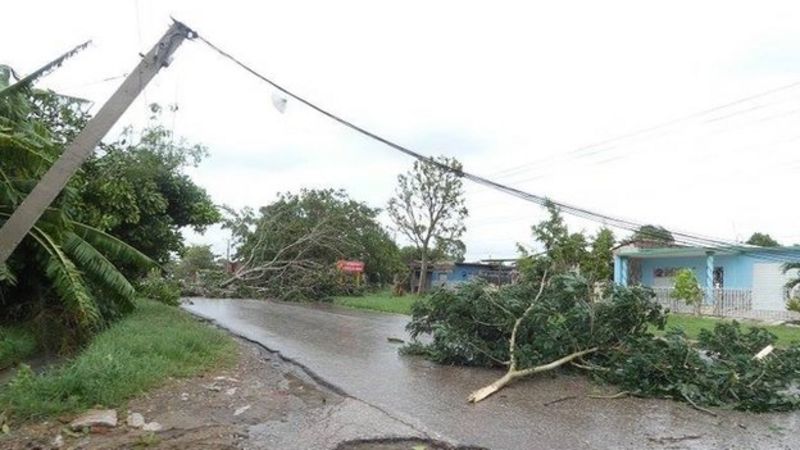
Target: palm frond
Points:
(97, 266)
(113, 248)
(67, 280)
(6, 275)
(24, 148)
(42, 71)
(790, 266)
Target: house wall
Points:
(462, 273)
(737, 269)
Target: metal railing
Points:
(723, 303)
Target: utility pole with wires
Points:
(79, 150)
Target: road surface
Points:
(349, 350)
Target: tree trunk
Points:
(423, 271)
(513, 374)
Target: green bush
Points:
(156, 287)
(16, 345)
(135, 354)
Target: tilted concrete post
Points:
(53, 182)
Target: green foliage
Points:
(763, 240)
(304, 235)
(140, 352)
(793, 283)
(451, 251)
(687, 288)
(566, 251)
(653, 234)
(193, 260)
(157, 287)
(719, 371)
(71, 271)
(472, 324)
(137, 189)
(16, 345)
(428, 208)
(599, 265)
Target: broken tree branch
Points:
(512, 375)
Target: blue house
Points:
(746, 278)
(453, 273)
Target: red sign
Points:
(350, 266)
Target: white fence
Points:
(725, 303)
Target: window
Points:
(665, 272)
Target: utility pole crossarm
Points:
(79, 150)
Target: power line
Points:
(646, 130)
(543, 172)
(680, 237)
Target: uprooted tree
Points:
(290, 249)
(550, 320)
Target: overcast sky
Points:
(512, 89)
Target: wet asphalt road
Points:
(349, 349)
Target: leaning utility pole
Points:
(53, 182)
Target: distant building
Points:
(453, 273)
(746, 281)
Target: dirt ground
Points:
(263, 402)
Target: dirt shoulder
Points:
(263, 402)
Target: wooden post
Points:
(53, 182)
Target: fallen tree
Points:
(289, 248)
(545, 324)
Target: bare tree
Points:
(428, 207)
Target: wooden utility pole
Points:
(53, 182)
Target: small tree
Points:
(195, 258)
(428, 207)
(688, 289)
(600, 261)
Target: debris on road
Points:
(135, 420)
(95, 418)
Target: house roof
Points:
(789, 253)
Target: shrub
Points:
(156, 287)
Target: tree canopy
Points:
(565, 251)
(763, 240)
(653, 233)
(290, 247)
(136, 189)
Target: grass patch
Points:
(17, 344)
(379, 301)
(135, 354)
(692, 325)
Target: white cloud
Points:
(496, 84)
